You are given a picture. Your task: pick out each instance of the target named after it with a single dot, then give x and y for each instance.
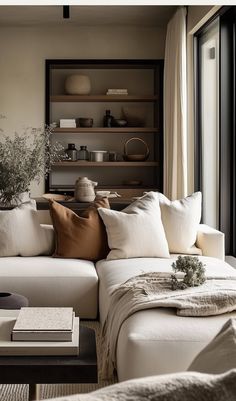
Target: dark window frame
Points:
(227, 109)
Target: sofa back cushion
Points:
(21, 233)
(181, 219)
(137, 231)
(82, 237)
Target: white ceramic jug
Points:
(84, 190)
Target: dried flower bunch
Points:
(194, 272)
(24, 158)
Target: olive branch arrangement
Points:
(194, 272)
(25, 157)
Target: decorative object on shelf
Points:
(71, 152)
(108, 119)
(83, 153)
(77, 84)
(112, 156)
(117, 92)
(135, 157)
(118, 122)
(194, 272)
(102, 194)
(134, 115)
(25, 158)
(54, 124)
(85, 122)
(84, 190)
(98, 155)
(67, 123)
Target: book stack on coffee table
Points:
(40, 331)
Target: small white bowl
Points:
(103, 194)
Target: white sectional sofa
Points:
(150, 342)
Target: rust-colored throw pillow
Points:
(80, 237)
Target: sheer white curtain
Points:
(175, 108)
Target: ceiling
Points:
(86, 15)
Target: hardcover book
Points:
(44, 319)
(42, 335)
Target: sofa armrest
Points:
(211, 241)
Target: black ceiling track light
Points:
(66, 11)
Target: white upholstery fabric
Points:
(21, 233)
(48, 281)
(219, 355)
(211, 241)
(181, 219)
(157, 341)
(137, 231)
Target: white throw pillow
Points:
(21, 234)
(137, 231)
(180, 219)
(220, 355)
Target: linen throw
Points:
(185, 386)
(152, 290)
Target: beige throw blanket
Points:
(153, 290)
(186, 386)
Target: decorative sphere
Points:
(77, 84)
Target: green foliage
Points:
(24, 158)
(194, 272)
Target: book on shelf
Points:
(35, 348)
(67, 123)
(117, 92)
(43, 324)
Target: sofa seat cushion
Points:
(157, 341)
(46, 281)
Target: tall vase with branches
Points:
(23, 158)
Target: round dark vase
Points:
(12, 301)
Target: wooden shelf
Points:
(102, 98)
(101, 130)
(104, 164)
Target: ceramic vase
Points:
(84, 190)
(77, 84)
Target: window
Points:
(215, 134)
(209, 122)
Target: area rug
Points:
(19, 392)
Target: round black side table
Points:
(10, 300)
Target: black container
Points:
(71, 152)
(108, 119)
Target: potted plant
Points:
(24, 158)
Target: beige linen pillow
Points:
(180, 220)
(137, 231)
(220, 354)
(21, 234)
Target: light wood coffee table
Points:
(34, 370)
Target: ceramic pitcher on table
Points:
(84, 190)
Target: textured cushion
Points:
(21, 233)
(82, 237)
(220, 355)
(157, 341)
(181, 219)
(137, 231)
(48, 281)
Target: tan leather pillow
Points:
(80, 237)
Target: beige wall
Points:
(22, 63)
(197, 17)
